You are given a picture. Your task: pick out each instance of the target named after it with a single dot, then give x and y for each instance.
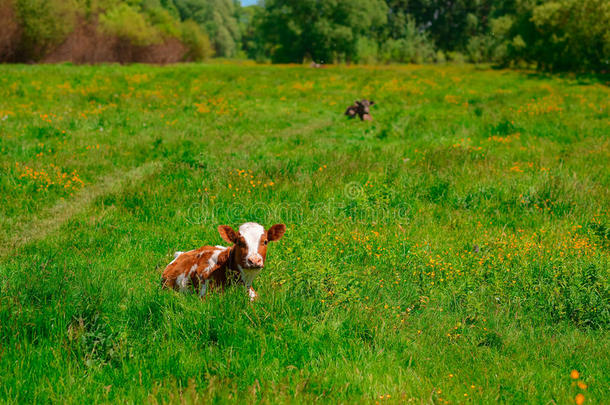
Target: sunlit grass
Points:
(454, 249)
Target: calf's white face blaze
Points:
(252, 232)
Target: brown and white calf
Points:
(219, 265)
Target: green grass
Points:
(455, 249)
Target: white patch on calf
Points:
(213, 260)
(176, 255)
(183, 283)
(252, 232)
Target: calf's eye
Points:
(265, 242)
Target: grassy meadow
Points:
(455, 249)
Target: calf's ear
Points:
(227, 233)
(276, 232)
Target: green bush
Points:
(573, 34)
(217, 18)
(555, 35)
(480, 48)
(493, 45)
(224, 42)
(440, 57)
(413, 47)
(408, 50)
(196, 41)
(456, 57)
(162, 20)
(499, 33)
(44, 24)
(126, 22)
(366, 50)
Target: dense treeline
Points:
(554, 35)
(550, 34)
(117, 30)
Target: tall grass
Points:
(454, 249)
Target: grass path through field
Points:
(51, 219)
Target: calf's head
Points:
(251, 242)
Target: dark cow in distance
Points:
(360, 108)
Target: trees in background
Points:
(43, 24)
(324, 31)
(551, 34)
(129, 26)
(406, 43)
(562, 34)
(218, 18)
(254, 45)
